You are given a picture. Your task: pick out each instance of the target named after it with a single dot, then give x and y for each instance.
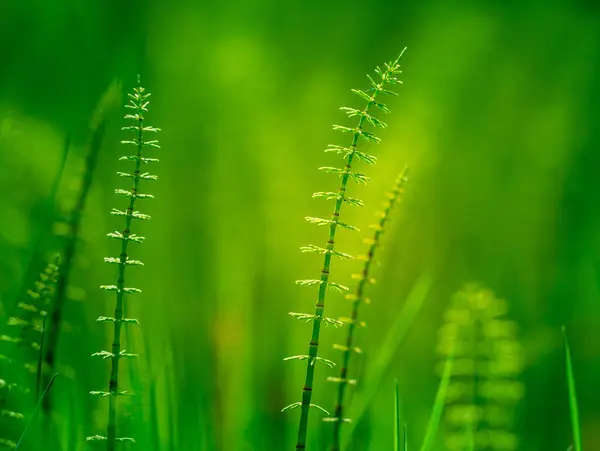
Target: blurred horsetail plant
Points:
(387, 76)
(138, 102)
(22, 367)
(50, 205)
(484, 389)
(73, 221)
(358, 298)
(68, 256)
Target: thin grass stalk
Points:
(573, 409)
(36, 410)
(350, 154)
(52, 275)
(396, 417)
(382, 360)
(364, 278)
(138, 102)
(40, 363)
(438, 405)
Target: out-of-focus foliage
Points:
(484, 388)
(497, 119)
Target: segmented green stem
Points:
(364, 278)
(351, 154)
(113, 386)
(139, 103)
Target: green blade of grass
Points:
(396, 417)
(35, 411)
(438, 406)
(572, 395)
(394, 338)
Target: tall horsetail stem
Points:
(138, 102)
(364, 278)
(350, 153)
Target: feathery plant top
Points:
(350, 154)
(483, 388)
(138, 102)
(364, 278)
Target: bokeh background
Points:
(497, 118)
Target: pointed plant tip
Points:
(400, 55)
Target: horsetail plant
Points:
(138, 102)
(358, 298)
(483, 389)
(30, 323)
(350, 154)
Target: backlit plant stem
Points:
(139, 103)
(113, 386)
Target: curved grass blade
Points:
(575, 425)
(396, 417)
(382, 360)
(438, 406)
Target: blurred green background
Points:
(498, 119)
